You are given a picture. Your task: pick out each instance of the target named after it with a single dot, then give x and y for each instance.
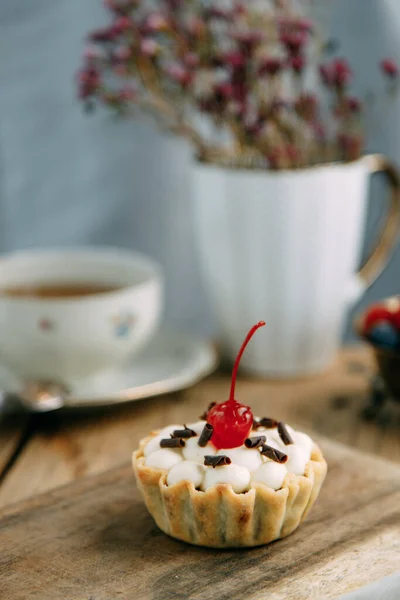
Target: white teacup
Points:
(68, 339)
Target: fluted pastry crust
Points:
(221, 518)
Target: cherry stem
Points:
(239, 356)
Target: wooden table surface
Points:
(95, 540)
(41, 452)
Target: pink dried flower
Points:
(224, 90)
(88, 82)
(354, 104)
(234, 59)
(127, 94)
(149, 47)
(390, 68)
(179, 74)
(206, 54)
(297, 63)
(155, 22)
(196, 26)
(122, 24)
(240, 9)
(191, 60)
(90, 75)
(341, 72)
(106, 34)
(247, 39)
(293, 41)
(305, 25)
(92, 53)
(123, 53)
(337, 73)
(347, 106)
(270, 66)
(254, 129)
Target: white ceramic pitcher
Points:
(284, 247)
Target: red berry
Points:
(232, 421)
(395, 318)
(389, 67)
(376, 313)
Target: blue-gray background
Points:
(66, 178)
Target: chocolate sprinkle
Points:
(205, 435)
(183, 433)
(285, 435)
(216, 461)
(255, 442)
(274, 454)
(172, 443)
(205, 413)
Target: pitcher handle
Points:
(381, 253)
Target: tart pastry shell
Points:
(221, 518)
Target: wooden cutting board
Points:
(93, 540)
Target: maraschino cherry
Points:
(232, 421)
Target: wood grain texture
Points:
(66, 446)
(93, 540)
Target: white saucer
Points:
(170, 362)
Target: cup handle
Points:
(381, 253)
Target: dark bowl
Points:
(388, 361)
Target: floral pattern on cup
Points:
(46, 325)
(123, 324)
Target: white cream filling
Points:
(248, 465)
(197, 427)
(250, 458)
(192, 450)
(270, 474)
(304, 440)
(298, 457)
(187, 470)
(238, 477)
(272, 435)
(153, 445)
(274, 439)
(165, 458)
(166, 432)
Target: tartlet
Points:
(229, 479)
